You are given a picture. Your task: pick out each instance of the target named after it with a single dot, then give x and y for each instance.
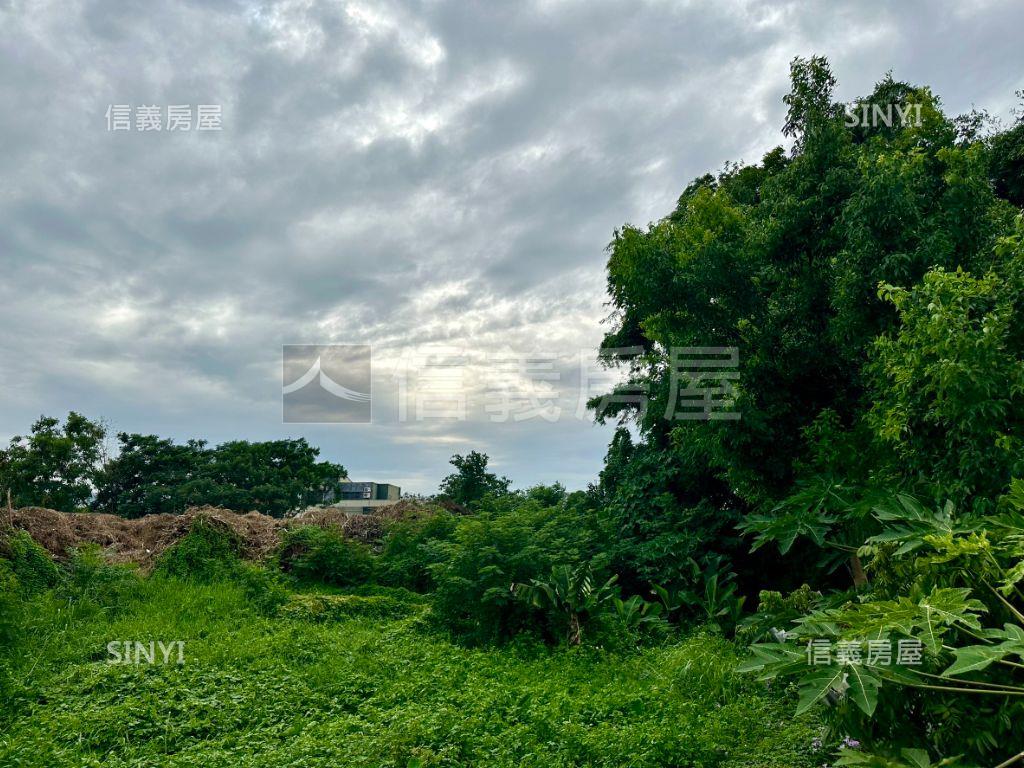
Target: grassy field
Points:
(330, 680)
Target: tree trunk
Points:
(859, 577)
(575, 633)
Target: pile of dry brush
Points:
(143, 539)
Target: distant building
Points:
(361, 497)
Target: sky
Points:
(437, 180)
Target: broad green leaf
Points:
(1014, 632)
(947, 607)
(879, 619)
(774, 659)
(863, 688)
(976, 657)
(815, 686)
(972, 658)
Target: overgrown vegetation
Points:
(358, 679)
(324, 555)
(871, 281)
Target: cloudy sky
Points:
(434, 179)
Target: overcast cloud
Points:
(400, 174)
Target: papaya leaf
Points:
(947, 607)
(863, 690)
(973, 658)
(917, 758)
(816, 685)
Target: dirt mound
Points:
(259, 534)
(143, 539)
(407, 509)
(367, 528)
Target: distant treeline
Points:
(64, 467)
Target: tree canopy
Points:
(64, 467)
(869, 279)
(471, 482)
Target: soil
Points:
(143, 539)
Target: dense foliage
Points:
(512, 543)
(870, 281)
(55, 465)
(324, 555)
(151, 474)
(471, 482)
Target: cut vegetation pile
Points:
(143, 539)
(366, 528)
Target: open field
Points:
(302, 689)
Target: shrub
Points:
(263, 589)
(93, 579)
(632, 622)
(411, 548)
(488, 554)
(339, 607)
(29, 563)
(569, 597)
(777, 612)
(310, 553)
(10, 605)
(206, 553)
(26, 569)
(964, 614)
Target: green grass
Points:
(363, 682)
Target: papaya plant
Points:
(953, 596)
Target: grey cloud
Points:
(392, 173)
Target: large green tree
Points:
(782, 260)
(55, 465)
(471, 481)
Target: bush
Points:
(488, 554)
(569, 598)
(26, 570)
(207, 553)
(410, 549)
(10, 605)
(93, 579)
(30, 564)
(324, 555)
(339, 607)
(263, 589)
